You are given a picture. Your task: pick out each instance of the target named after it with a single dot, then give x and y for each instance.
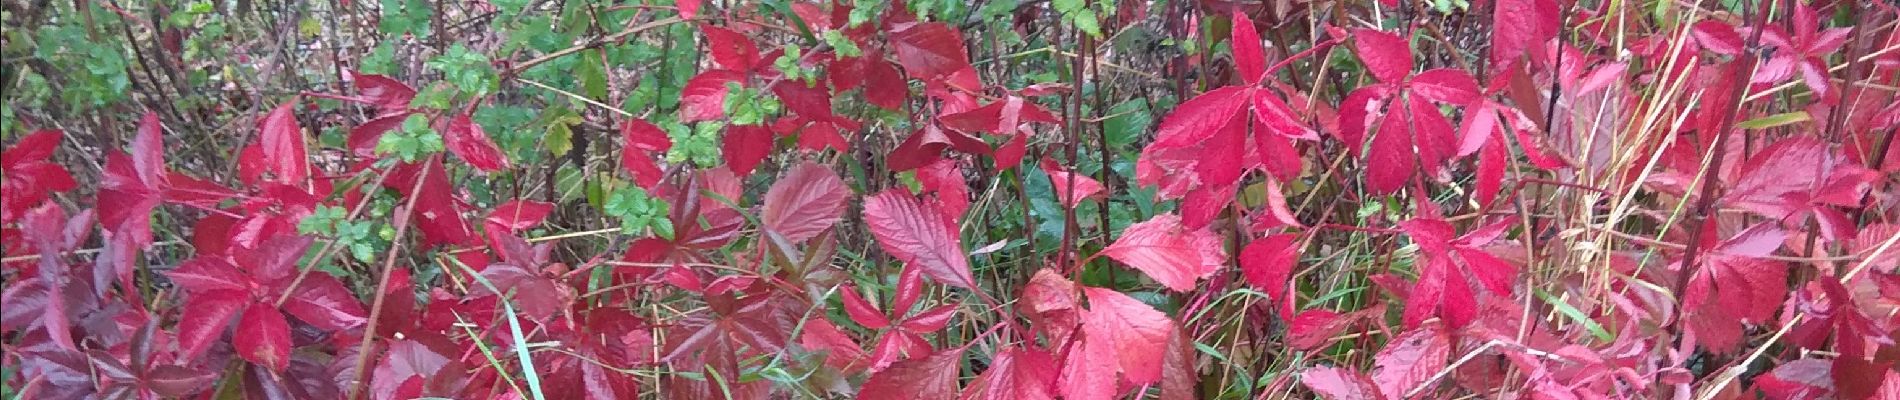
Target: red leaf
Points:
(704, 97)
(205, 318)
(1490, 179)
(466, 139)
(1089, 373)
(1432, 135)
(745, 146)
(1355, 116)
(1272, 112)
(1015, 374)
(1312, 329)
(1339, 384)
(283, 145)
(1520, 26)
(181, 188)
(1049, 301)
(927, 144)
(944, 181)
(148, 152)
(37, 146)
(437, 213)
(399, 310)
(1267, 263)
(364, 138)
(1410, 359)
(1446, 85)
(1798, 379)
(1249, 59)
(1011, 154)
(689, 8)
(203, 275)
(921, 378)
(1387, 56)
(731, 50)
(1178, 371)
(1389, 164)
(1133, 332)
(1202, 117)
(643, 142)
(30, 178)
(930, 50)
(388, 95)
(804, 202)
(843, 353)
(1170, 253)
(1061, 180)
(861, 311)
(883, 87)
(811, 102)
(322, 301)
(931, 320)
(178, 382)
(125, 203)
(517, 215)
(918, 234)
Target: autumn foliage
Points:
(999, 199)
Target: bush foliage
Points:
(938, 199)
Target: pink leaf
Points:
(1169, 252)
(918, 234)
(804, 202)
(921, 378)
(1410, 359)
(1061, 179)
(1133, 332)
(1339, 384)
(1272, 112)
(1015, 374)
(843, 353)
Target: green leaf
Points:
(593, 75)
(560, 138)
